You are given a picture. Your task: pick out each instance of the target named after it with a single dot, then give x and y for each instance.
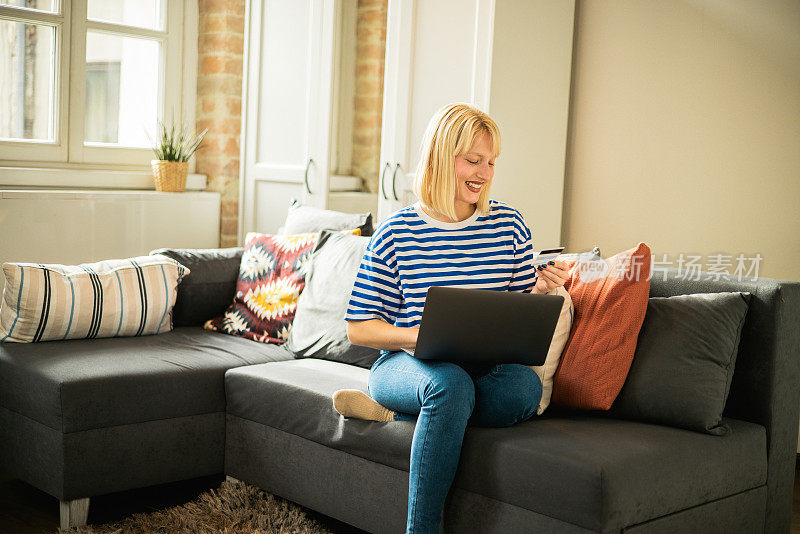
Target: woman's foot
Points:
(356, 403)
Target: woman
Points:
(455, 236)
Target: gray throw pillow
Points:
(319, 329)
(682, 370)
(308, 219)
(208, 290)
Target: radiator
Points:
(72, 227)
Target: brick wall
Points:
(219, 104)
(370, 52)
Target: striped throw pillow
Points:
(130, 297)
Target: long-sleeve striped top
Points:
(411, 252)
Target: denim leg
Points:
(508, 394)
(442, 395)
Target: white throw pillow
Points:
(560, 337)
(131, 297)
(302, 219)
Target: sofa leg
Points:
(74, 513)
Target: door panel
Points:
(429, 64)
(283, 78)
(287, 106)
(273, 200)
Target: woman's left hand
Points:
(551, 276)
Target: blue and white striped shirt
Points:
(411, 252)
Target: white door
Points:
(437, 52)
(287, 109)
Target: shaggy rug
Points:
(235, 507)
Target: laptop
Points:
(487, 327)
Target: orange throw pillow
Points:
(610, 299)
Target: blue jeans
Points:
(443, 397)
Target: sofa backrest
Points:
(210, 286)
(765, 387)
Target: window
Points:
(86, 81)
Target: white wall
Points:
(73, 227)
(685, 129)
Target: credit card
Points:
(548, 255)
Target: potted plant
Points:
(174, 148)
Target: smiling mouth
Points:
(474, 186)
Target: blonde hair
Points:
(451, 132)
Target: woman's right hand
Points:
(552, 275)
(381, 335)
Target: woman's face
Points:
(474, 172)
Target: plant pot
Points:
(170, 176)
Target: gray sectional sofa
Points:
(84, 418)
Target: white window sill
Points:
(46, 178)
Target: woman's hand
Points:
(551, 276)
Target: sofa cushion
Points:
(684, 362)
(84, 384)
(610, 300)
(547, 370)
(209, 288)
(319, 329)
(302, 219)
(595, 472)
(272, 275)
(130, 297)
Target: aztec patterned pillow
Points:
(271, 277)
(130, 297)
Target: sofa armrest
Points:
(766, 386)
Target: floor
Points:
(26, 510)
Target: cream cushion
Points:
(130, 297)
(560, 337)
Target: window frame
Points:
(36, 150)
(178, 82)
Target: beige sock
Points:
(356, 403)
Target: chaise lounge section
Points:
(82, 418)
